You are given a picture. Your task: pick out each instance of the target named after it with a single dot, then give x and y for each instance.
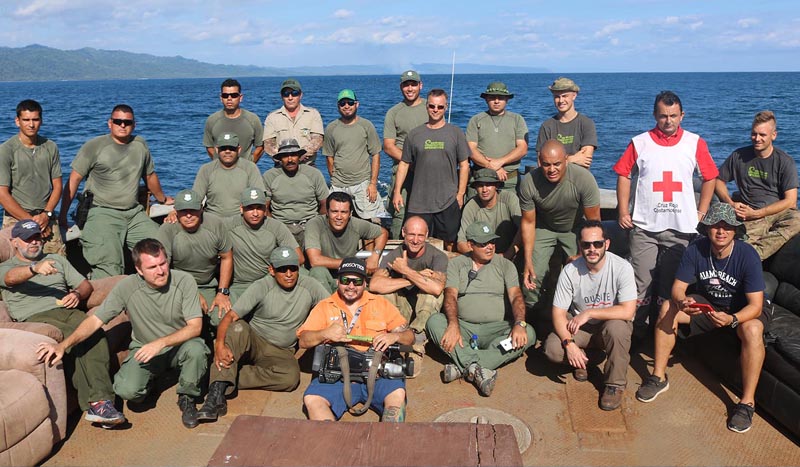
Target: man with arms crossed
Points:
(574, 130)
(294, 121)
(233, 119)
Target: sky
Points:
(557, 36)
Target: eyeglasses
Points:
(228, 148)
(232, 95)
(484, 244)
(436, 107)
(357, 281)
(290, 92)
(345, 102)
(122, 121)
(597, 244)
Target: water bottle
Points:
(473, 342)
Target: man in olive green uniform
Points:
(113, 165)
(233, 119)
(41, 288)
(30, 176)
(295, 192)
(337, 235)
(254, 236)
(165, 314)
(482, 289)
(197, 244)
(260, 353)
(498, 138)
(294, 121)
(498, 208)
(400, 119)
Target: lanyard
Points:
(355, 318)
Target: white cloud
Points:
(612, 28)
(38, 7)
(747, 22)
(343, 14)
(393, 37)
(696, 25)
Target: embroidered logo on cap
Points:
(30, 225)
(253, 194)
(187, 197)
(226, 136)
(485, 229)
(285, 253)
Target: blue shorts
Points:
(332, 392)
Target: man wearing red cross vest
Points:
(663, 214)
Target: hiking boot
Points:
(484, 379)
(469, 372)
(611, 398)
(451, 373)
(188, 411)
(394, 414)
(742, 418)
(105, 413)
(651, 388)
(580, 374)
(215, 405)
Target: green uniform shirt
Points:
(497, 136)
(319, 235)
(296, 198)
(114, 170)
(29, 173)
(154, 313)
(558, 207)
(247, 126)
(401, 119)
(40, 292)
(277, 313)
(504, 218)
(252, 247)
(352, 147)
(483, 299)
(223, 187)
(197, 252)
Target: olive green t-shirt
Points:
(351, 147)
(40, 292)
(401, 119)
(223, 187)
(318, 235)
(29, 172)
(197, 252)
(483, 299)
(114, 170)
(277, 313)
(296, 198)
(247, 126)
(504, 218)
(252, 247)
(154, 313)
(497, 135)
(558, 206)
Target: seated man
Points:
(260, 353)
(351, 310)
(46, 289)
(767, 181)
(498, 208)
(482, 288)
(412, 277)
(165, 315)
(197, 244)
(254, 236)
(337, 235)
(594, 306)
(729, 295)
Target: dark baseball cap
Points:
(352, 265)
(25, 229)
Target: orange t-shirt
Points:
(377, 315)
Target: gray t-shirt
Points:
(196, 252)
(432, 259)
(252, 247)
(761, 181)
(296, 198)
(318, 235)
(40, 292)
(574, 135)
(483, 299)
(558, 206)
(247, 126)
(578, 289)
(352, 147)
(434, 156)
(497, 135)
(29, 172)
(223, 187)
(504, 218)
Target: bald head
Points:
(553, 161)
(553, 149)
(415, 232)
(417, 224)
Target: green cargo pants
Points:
(107, 232)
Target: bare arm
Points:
(154, 185)
(400, 178)
(623, 202)
(476, 156)
(257, 152)
(391, 149)
(382, 283)
(271, 146)
(52, 353)
(376, 245)
(592, 212)
(222, 301)
(375, 168)
(463, 179)
(333, 333)
(211, 152)
(223, 357)
(582, 157)
(721, 189)
(313, 146)
(515, 155)
(316, 258)
(747, 213)
(528, 229)
(329, 162)
(706, 192)
(68, 195)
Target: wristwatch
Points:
(734, 322)
(31, 266)
(49, 214)
(522, 324)
(566, 342)
(224, 291)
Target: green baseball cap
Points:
(486, 176)
(410, 75)
(188, 199)
(496, 88)
(291, 83)
(480, 232)
(251, 196)
(564, 84)
(228, 139)
(346, 94)
(283, 256)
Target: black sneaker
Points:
(742, 418)
(651, 388)
(188, 411)
(215, 405)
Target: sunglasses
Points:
(597, 244)
(345, 102)
(290, 92)
(232, 95)
(228, 148)
(483, 245)
(436, 107)
(287, 268)
(357, 281)
(122, 121)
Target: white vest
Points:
(664, 191)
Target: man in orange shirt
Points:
(351, 310)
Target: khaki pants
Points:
(414, 302)
(53, 242)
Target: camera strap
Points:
(344, 363)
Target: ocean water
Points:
(170, 114)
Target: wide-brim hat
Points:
(722, 212)
(497, 88)
(289, 147)
(564, 84)
(485, 175)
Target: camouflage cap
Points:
(496, 88)
(564, 84)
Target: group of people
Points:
(249, 266)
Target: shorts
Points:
(443, 225)
(363, 207)
(332, 392)
(701, 323)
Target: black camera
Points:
(395, 363)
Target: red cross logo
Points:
(667, 187)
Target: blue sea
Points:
(170, 114)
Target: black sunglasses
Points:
(358, 281)
(226, 95)
(483, 245)
(597, 244)
(290, 92)
(345, 102)
(122, 121)
(435, 107)
(228, 148)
